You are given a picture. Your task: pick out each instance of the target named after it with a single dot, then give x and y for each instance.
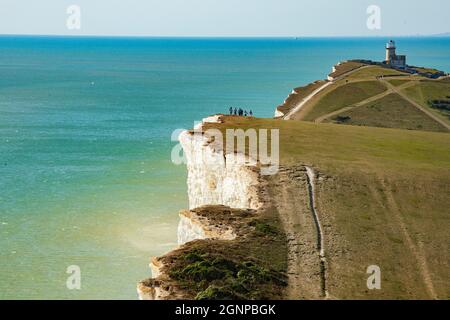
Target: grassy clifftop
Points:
(359, 97)
(251, 266)
(345, 95)
(345, 198)
(383, 199)
(334, 146)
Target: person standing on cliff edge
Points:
(231, 110)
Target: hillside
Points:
(382, 196)
(344, 198)
(374, 95)
(363, 181)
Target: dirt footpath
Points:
(289, 192)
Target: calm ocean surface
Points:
(85, 123)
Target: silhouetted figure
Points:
(241, 112)
(235, 111)
(231, 110)
(245, 113)
(251, 113)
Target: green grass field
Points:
(391, 111)
(430, 90)
(345, 96)
(300, 94)
(373, 72)
(387, 112)
(397, 82)
(383, 199)
(351, 144)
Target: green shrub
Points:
(264, 228)
(221, 278)
(216, 293)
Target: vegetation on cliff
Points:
(253, 266)
(381, 196)
(383, 200)
(374, 95)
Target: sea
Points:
(86, 134)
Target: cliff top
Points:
(370, 94)
(252, 266)
(382, 195)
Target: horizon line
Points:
(445, 34)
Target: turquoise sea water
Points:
(85, 123)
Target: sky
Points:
(217, 18)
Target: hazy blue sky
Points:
(225, 17)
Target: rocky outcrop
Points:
(194, 226)
(152, 289)
(208, 222)
(215, 177)
(217, 182)
(278, 113)
(330, 77)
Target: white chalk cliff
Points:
(214, 178)
(195, 227)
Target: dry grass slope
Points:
(389, 112)
(428, 90)
(371, 83)
(383, 200)
(344, 96)
(370, 73)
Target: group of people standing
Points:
(240, 112)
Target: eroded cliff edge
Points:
(217, 177)
(230, 245)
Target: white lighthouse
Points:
(390, 50)
(392, 58)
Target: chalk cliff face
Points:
(208, 222)
(213, 178)
(193, 226)
(278, 114)
(151, 289)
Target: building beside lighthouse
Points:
(392, 58)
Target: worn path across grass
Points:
(361, 103)
(418, 106)
(382, 197)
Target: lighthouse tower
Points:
(390, 51)
(392, 58)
